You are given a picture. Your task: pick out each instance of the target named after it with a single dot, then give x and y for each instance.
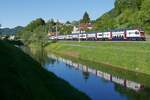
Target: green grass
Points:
(22, 78)
(134, 56)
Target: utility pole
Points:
(79, 32)
(57, 30)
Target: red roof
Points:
(85, 25)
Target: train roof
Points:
(75, 34)
(91, 32)
(117, 30)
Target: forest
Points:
(126, 14)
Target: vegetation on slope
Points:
(22, 78)
(126, 14)
(10, 31)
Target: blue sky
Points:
(21, 12)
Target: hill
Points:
(10, 31)
(126, 14)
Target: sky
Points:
(20, 12)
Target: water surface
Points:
(97, 84)
(97, 81)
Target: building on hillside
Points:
(83, 27)
(51, 33)
(77, 30)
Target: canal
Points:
(99, 82)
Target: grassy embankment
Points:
(133, 56)
(22, 78)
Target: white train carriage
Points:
(75, 36)
(68, 37)
(83, 36)
(99, 36)
(103, 36)
(52, 37)
(135, 35)
(91, 36)
(118, 35)
(61, 37)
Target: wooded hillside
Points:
(126, 14)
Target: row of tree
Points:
(37, 30)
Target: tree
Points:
(34, 24)
(66, 29)
(75, 23)
(126, 14)
(144, 15)
(40, 36)
(34, 32)
(68, 22)
(86, 18)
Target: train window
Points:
(131, 33)
(82, 35)
(100, 35)
(136, 33)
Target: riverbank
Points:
(133, 56)
(22, 78)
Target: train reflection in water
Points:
(123, 82)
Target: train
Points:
(115, 35)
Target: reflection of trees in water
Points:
(40, 55)
(132, 95)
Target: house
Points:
(83, 27)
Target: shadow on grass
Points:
(22, 78)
